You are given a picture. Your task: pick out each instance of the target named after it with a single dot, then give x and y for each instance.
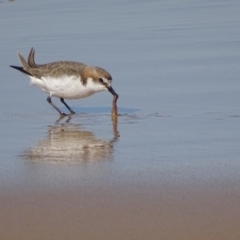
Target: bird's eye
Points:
(100, 80)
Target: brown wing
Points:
(55, 69)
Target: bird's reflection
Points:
(67, 142)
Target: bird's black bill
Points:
(111, 90)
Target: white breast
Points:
(69, 87)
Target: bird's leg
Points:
(50, 102)
(71, 111)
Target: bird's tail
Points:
(21, 69)
(26, 65)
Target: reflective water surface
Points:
(68, 143)
(168, 167)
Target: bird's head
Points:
(104, 79)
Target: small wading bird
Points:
(65, 79)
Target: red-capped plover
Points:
(65, 79)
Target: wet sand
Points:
(139, 211)
(168, 168)
(74, 184)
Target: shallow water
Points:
(168, 168)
